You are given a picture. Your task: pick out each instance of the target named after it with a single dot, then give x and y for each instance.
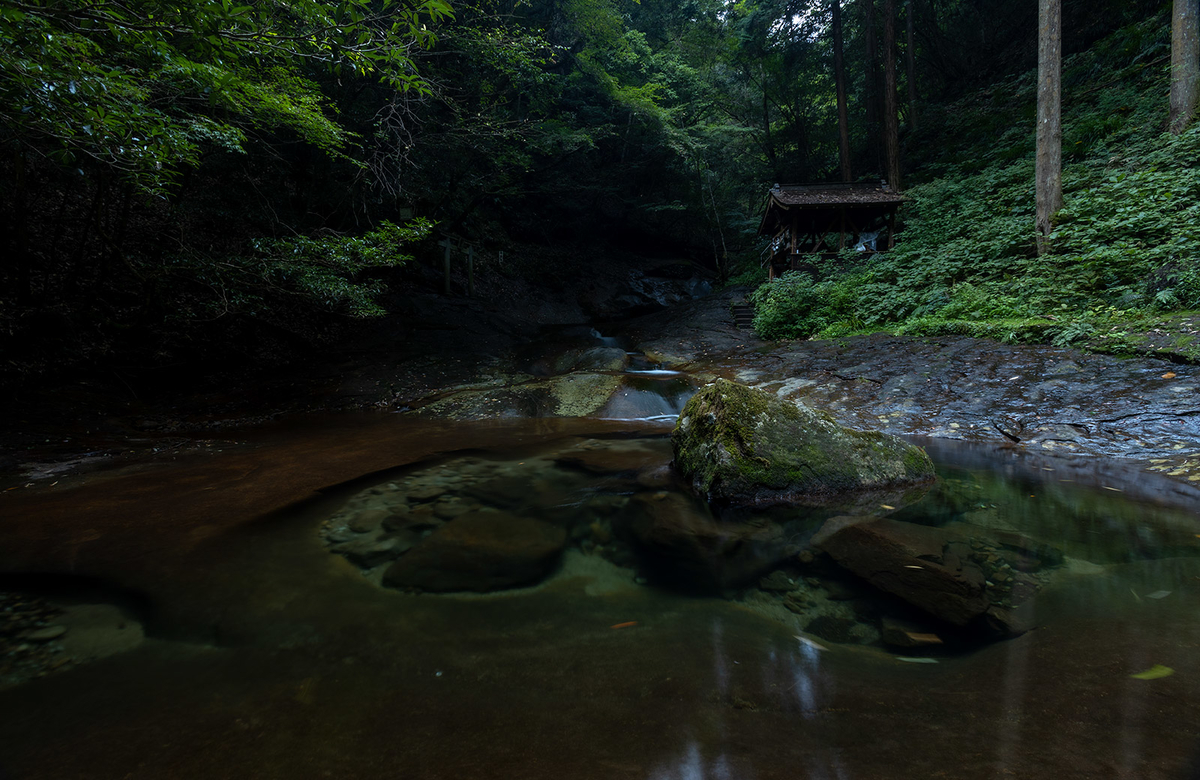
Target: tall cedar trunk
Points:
(910, 58)
(1049, 127)
(1185, 64)
(891, 119)
(768, 142)
(839, 77)
(871, 83)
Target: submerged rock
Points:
(480, 551)
(734, 443)
(689, 548)
(611, 458)
(931, 568)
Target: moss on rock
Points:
(735, 443)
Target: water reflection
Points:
(692, 765)
(537, 683)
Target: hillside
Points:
(1121, 275)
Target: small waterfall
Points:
(607, 341)
(648, 392)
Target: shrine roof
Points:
(849, 194)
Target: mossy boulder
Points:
(741, 445)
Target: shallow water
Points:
(269, 656)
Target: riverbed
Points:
(259, 651)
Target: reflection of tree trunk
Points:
(1185, 64)
(910, 63)
(1049, 123)
(839, 77)
(871, 86)
(891, 120)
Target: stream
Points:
(377, 595)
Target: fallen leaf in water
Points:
(305, 692)
(885, 506)
(810, 643)
(1115, 490)
(1158, 594)
(1154, 672)
(914, 567)
(1169, 375)
(625, 625)
(909, 660)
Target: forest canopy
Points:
(175, 168)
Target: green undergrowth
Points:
(1122, 272)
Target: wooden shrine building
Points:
(822, 219)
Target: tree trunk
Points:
(891, 118)
(871, 83)
(910, 58)
(1185, 64)
(767, 141)
(21, 260)
(1049, 127)
(839, 77)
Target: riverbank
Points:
(1037, 400)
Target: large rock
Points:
(687, 547)
(480, 551)
(735, 443)
(941, 572)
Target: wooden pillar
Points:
(841, 228)
(891, 230)
(470, 272)
(449, 245)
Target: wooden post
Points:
(470, 272)
(795, 230)
(841, 228)
(891, 230)
(449, 248)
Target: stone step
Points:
(743, 315)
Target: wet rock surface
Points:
(1042, 400)
(734, 443)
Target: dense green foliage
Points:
(1124, 245)
(145, 88)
